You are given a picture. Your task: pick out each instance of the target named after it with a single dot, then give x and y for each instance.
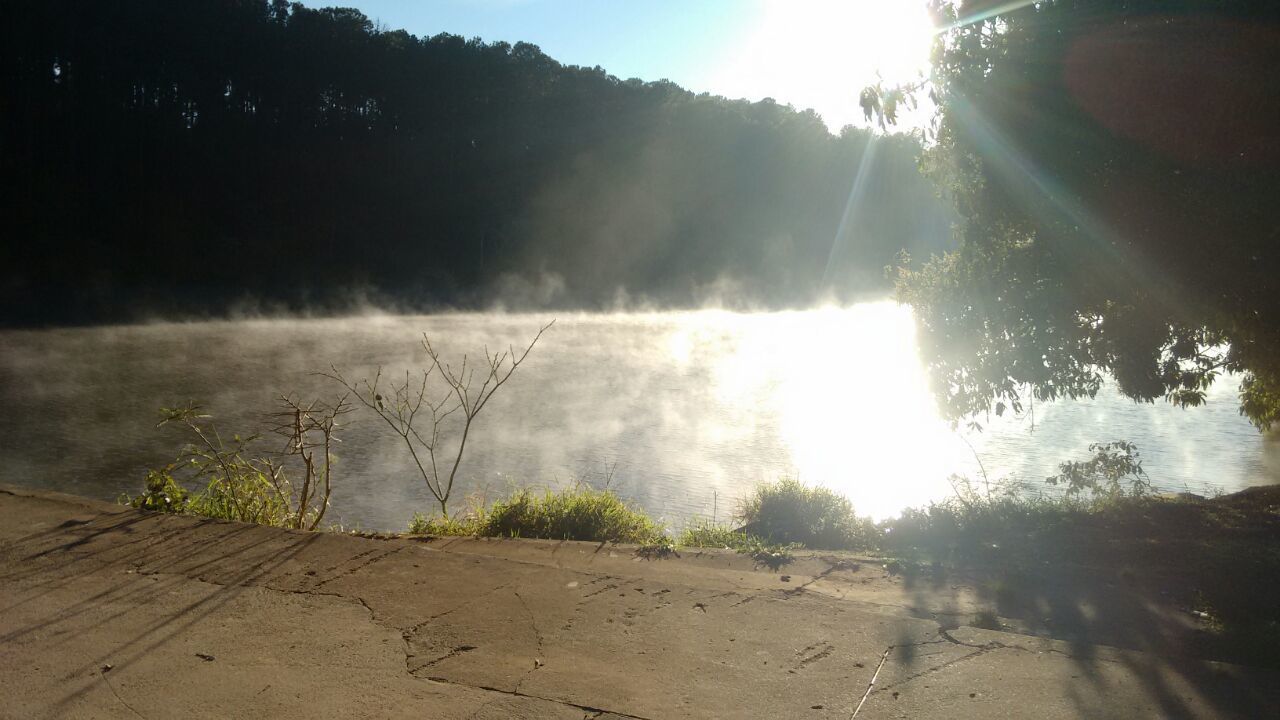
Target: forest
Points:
(191, 158)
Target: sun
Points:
(821, 53)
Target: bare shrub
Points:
(413, 412)
(239, 483)
(305, 429)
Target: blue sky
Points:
(809, 53)
(649, 39)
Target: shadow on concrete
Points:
(156, 567)
(1092, 598)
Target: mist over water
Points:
(685, 410)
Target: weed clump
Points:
(791, 512)
(977, 526)
(578, 513)
(242, 485)
(1104, 492)
(704, 534)
(447, 526)
(161, 493)
(659, 547)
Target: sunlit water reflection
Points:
(690, 410)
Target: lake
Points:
(681, 412)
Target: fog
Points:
(681, 412)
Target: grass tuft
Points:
(707, 535)
(579, 513)
(704, 534)
(791, 512)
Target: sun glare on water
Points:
(820, 53)
(844, 390)
(859, 417)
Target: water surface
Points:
(681, 412)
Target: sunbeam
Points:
(1034, 183)
(985, 15)
(854, 204)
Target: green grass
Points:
(975, 527)
(780, 518)
(246, 498)
(244, 495)
(1055, 526)
(658, 547)
(790, 512)
(579, 513)
(704, 534)
(457, 525)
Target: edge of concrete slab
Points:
(476, 617)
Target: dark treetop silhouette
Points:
(1117, 168)
(179, 156)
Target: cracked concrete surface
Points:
(106, 612)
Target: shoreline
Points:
(726, 505)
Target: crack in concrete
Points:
(516, 693)
(367, 558)
(413, 629)
(831, 567)
(372, 615)
(408, 634)
(934, 669)
(454, 652)
(997, 645)
(361, 566)
(353, 558)
(405, 634)
(537, 636)
(946, 637)
(112, 688)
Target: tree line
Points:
(181, 157)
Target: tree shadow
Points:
(1186, 595)
(169, 551)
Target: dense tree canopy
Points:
(180, 155)
(1117, 167)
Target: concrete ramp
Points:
(107, 612)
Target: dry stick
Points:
(327, 429)
(304, 499)
(871, 684)
(986, 481)
(222, 462)
(297, 422)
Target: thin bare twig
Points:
(400, 409)
(871, 684)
